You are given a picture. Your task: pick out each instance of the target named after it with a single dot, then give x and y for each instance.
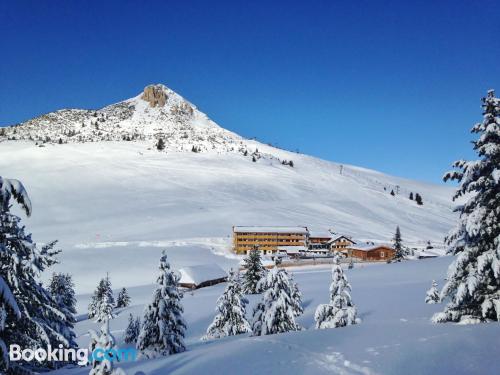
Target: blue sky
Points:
(389, 85)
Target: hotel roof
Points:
(259, 229)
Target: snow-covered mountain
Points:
(97, 190)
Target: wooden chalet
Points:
(371, 252)
(202, 275)
(340, 242)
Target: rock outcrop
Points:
(155, 95)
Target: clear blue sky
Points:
(389, 85)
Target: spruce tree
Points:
(62, 290)
(340, 312)
(276, 312)
(133, 330)
(473, 280)
(231, 310)
(418, 199)
(392, 193)
(160, 145)
(398, 246)
(123, 299)
(432, 295)
(105, 342)
(296, 298)
(41, 323)
(255, 271)
(102, 301)
(411, 196)
(7, 302)
(163, 327)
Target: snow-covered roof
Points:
(319, 234)
(427, 254)
(259, 229)
(368, 247)
(337, 237)
(201, 273)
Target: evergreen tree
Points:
(106, 343)
(418, 199)
(411, 196)
(432, 295)
(7, 302)
(340, 312)
(398, 246)
(133, 330)
(62, 290)
(392, 193)
(123, 299)
(351, 264)
(160, 145)
(41, 322)
(473, 280)
(255, 271)
(102, 302)
(296, 298)
(231, 309)
(276, 312)
(163, 327)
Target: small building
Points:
(202, 275)
(371, 252)
(426, 254)
(340, 242)
(319, 237)
(267, 239)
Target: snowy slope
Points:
(394, 337)
(117, 199)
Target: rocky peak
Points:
(155, 95)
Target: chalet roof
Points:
(262, 229)
(201, 273)
(337, 237)
(369, 247)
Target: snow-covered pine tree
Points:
(231, 310)
(411, 196)
(296, 298)
(163, 327)
(418, 199)
(432, 295)
(105, 342)
(275, 313)
(62, 290)
(397, 241)
(340, 312)
(21, 263)
(102, 301)
(255, 271)
(473, 280)
(7, 302)
(133, 329)
(123, 299)
(160, 145)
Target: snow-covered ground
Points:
(395, 336)
(114, 205)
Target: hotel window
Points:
(382, 254)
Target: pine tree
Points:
(133, 330)
(418, 199)
(411, 196)
(351, 264)
(123, 299)
(163, 327)
(255, 271)
(62, 290)
(276, 312)
(41, 323)
(7, 302)
(399, 254)
(432, 295)
(160, 145)
(102, 302)
(296, 298)
(392, 193)
(473, 280)
(340, 312)
(105, 342)
(231, 309)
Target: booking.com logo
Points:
(81, 356)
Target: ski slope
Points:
(123, 201)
